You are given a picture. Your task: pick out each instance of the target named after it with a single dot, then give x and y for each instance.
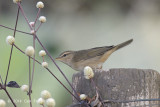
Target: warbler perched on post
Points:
(94, 57)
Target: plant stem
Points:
(36, 18)
(9, 65)
(12, 46)
(97, 92)
(38, 27)
(57, 67)
(24, 15)
(49, 72)
(29, 73)
(46, 52)
(33, 44)
(30, 89)
(9, 97)
(30, 102)
(1, 79)
(63, 85)
(14, 29)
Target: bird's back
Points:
(90, 53)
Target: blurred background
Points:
(76, 25)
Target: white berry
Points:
(31, 24)
(88, 72)
(25, 88)
(32, 32)
(83, 96)
(50, 102)
(10, 40)
(40, 101)
(45, 94)
(16, 1)
(40, 4)
(2, 103)
(42, 19)
(42, 53)
(45, 64)
(29, 51)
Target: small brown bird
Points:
(94, 57)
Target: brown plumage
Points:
(94, 57)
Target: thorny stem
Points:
(97, 92)
(16, 30)
(12, 46)
(9, 97)
(57, 67)
(49, 72)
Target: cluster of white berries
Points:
(46, 98)
(40, 5)
(88, 72)
(2, 103)
(42, 53)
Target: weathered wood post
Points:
(121, 85)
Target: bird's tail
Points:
(123, 44)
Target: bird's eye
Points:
(64, 55)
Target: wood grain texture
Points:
(121, 84)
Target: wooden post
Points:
(121, 85)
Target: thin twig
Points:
(30, 89)
(47, 53)
(24, 53)
(97, 92)
(29, 73)
(49, 72)
(19, 4)
(9, 65)
(33, 45)
(1, 79)
(12, 46)
(57, 67)
(30, 102)
(37, 17)
(9, 97)
(16, 30)
(38, 27)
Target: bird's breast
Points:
(94, 63)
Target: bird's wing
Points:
(90, 53)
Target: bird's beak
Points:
(58, 58)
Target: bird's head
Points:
(66, 57)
